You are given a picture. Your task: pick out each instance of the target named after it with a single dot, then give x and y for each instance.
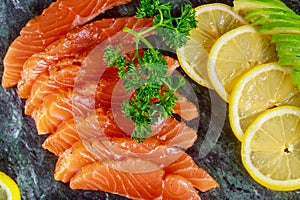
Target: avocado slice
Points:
(244, 6)
(272, 28)
(282, 54)
(285, 38)
(271, 14)
(295, 75)
(273, 19)
(289, 60)
(287, 45)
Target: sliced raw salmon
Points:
(176, 187)
(55, 21)
(100, 176)
(187, 168)
(175, 133)
(56, 108)
(75, 45)
(170, 132)
(42, 87)
(63, 139)
(68, 133)
(71, 161)
(125, 155)
(63, 78)
(116, 149)
(186, 109)
(122, 148)
(109, 92)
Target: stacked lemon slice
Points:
(9, 190)
(213, 21)
(233, 58)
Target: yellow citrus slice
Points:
(236, 52)
(271, 149)
(9, 190)
(213, 21)
(263, 87)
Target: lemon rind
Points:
(286, 185)
(184, 64)
(223, 40)
(236, 94)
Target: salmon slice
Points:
(55, 21)
(52, 105)
(175, 133)
(42, 87)
(169, 132)
(69, 133)
(75, 45)
(63, 78)
(71, 161)
(186, 109)
(56, 108)
(100, 176)
(63, 139)
(116, 149)
(176, 187)
(187, 168)
(110, 90)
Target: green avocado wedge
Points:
(288, 53)
(271, 15)
(272, 28)
(289, 61)
(286, 45)
(244, 6)
(286, 38)
(275, 18)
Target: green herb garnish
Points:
(147, 74)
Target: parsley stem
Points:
(138, 37)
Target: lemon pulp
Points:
(213, 21)
(271, 149)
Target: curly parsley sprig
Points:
(147, 75)
(173, 29)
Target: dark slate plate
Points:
(23, 158)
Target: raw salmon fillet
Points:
(167, 132)
(67, 132)
(71, 161)
(114, 149)
(187, 168)
(64, 137)
(42, 87)
(55, 21)
(56, 108)
(76, 45)
(176, 187)
(80, 166)
(105, 177)
(57, 64)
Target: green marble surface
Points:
(23, 158)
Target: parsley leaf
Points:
(147, 75)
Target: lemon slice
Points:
(271, 149)
(9, 190)
(213, 21)
(262, 88)
(236, 52)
